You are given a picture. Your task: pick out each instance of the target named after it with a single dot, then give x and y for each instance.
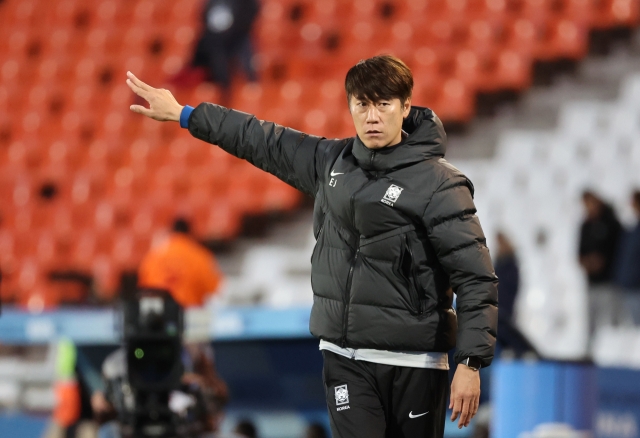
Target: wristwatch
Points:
(472, 362)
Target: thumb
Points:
(140, 110)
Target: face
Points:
(592, 206)
(379, 124)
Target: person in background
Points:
(507, 270)
(627, 273)
(181, 265)
(225, 38)
(189, 272)
(599, 236)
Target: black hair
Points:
(379, 78)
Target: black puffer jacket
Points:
(396, 231)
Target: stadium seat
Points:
(615, 13)
(524, 36)
(221, 221)
(280, 196)
(565, 39)
(513, 70)
(455, 103)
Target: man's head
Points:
(379, 95)
(592, 204)
(505, 247)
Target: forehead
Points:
(355, 99)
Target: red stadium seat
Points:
(513, 70)
(455, 103)
(525, 36)
(221, 221)
(613, 13)
(567, 39)
(280, 196)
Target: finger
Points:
(138, 82)
(474, 410)
(457, 405)
(476, 405)
(139, 91)
(464, 414)
(141, 110)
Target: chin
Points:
(374, 144)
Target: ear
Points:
(406, 108)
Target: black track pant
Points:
(370, 400)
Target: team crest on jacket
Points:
(392, 195)
(342, 395)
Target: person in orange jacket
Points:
(182, 266)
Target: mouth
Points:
(373, 132)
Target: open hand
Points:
(465, 394)
(162, 105)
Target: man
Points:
(508, 271)
(182, 266)
(396, 233)
(226, 36)
(599, 235)
(627, 272)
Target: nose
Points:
(373, 115)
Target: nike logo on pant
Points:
(416, 416)
(336, 173)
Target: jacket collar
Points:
(426, 139)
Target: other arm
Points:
(456, 235)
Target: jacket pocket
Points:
(318, 243)
(407, 271)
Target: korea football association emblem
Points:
(392, 195)
(342, 397)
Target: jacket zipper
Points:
(343, 342)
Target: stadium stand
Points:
(115, 180)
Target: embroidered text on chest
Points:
(392, 195)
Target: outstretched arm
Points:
(294, 157)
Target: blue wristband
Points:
(184, 116)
